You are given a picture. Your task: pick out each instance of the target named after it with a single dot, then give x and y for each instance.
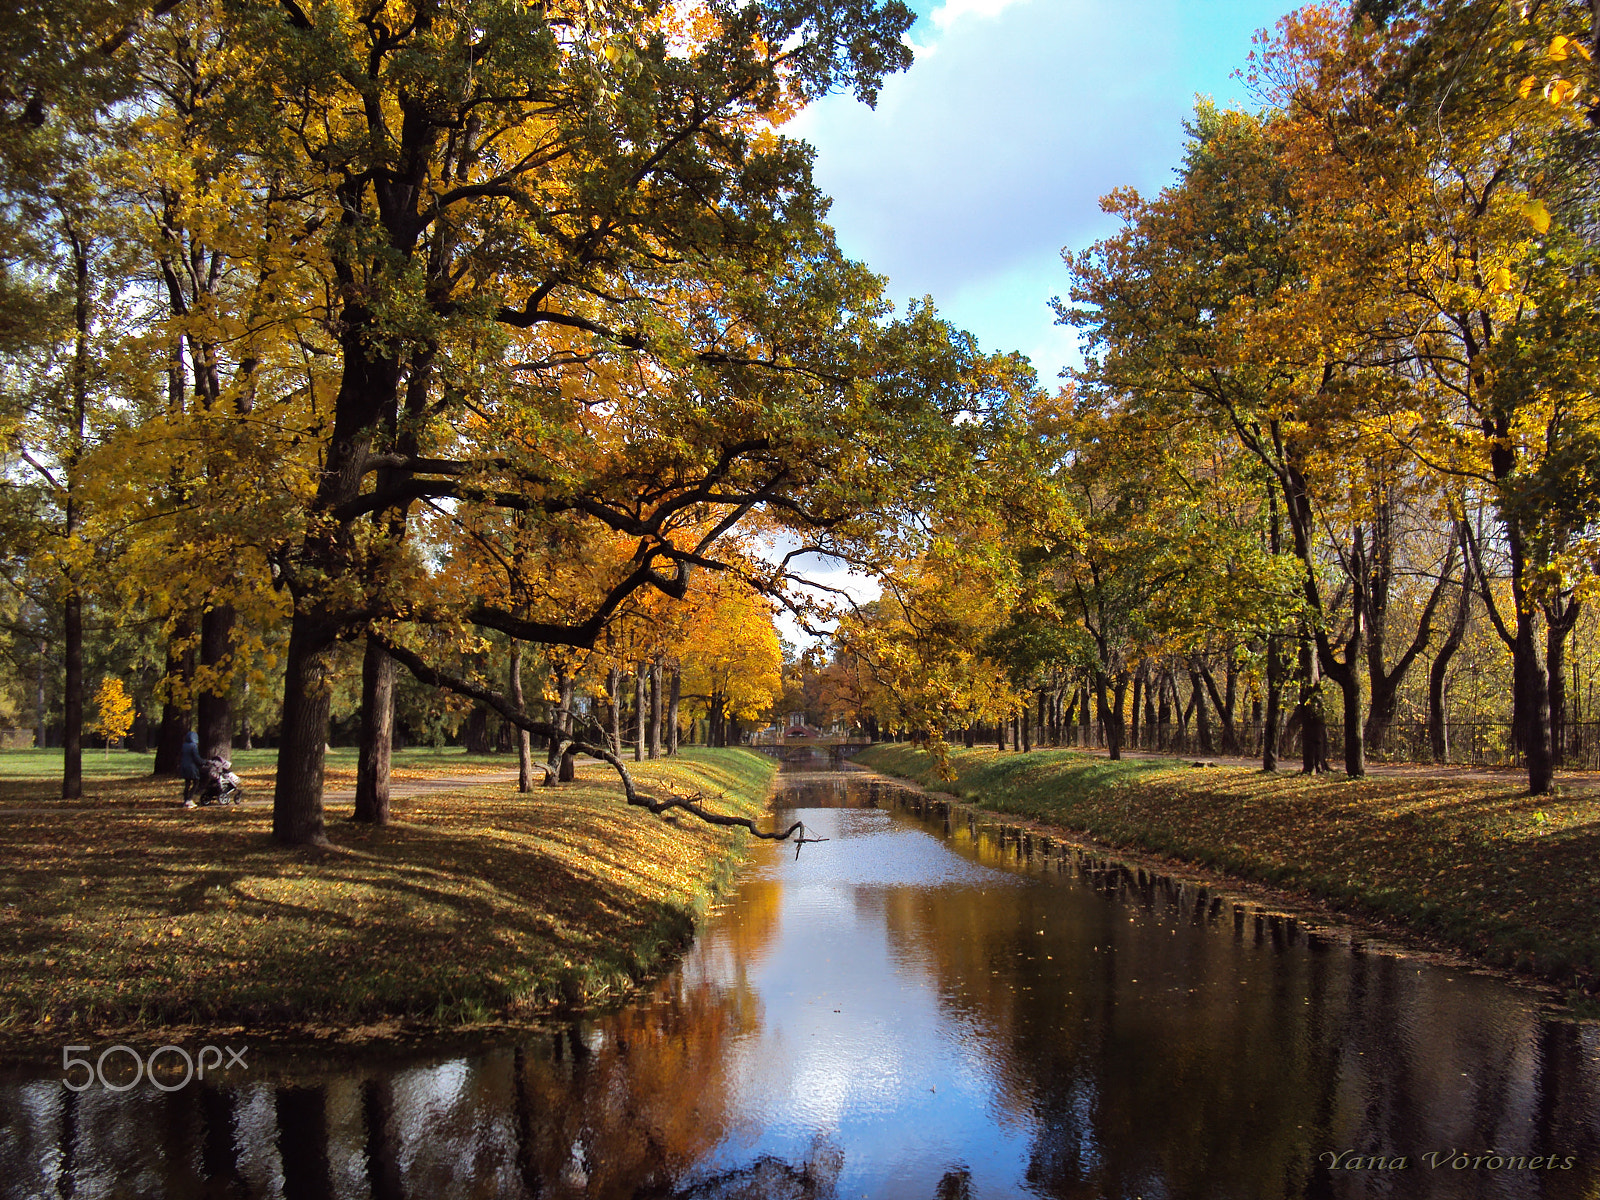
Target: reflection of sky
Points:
(853, 1044)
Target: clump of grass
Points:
(1478, 865)
(475, 903)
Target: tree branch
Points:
(694, 805)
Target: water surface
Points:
(915, 1008)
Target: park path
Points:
(261, 797)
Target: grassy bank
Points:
(476, 904)
(1477, 865)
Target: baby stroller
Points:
(218, 784)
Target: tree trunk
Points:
(1313, 724)
(213, 707)
(1439, 671)
(1000, 733)
(297, 797)
(1110, 723)
(1197, 689)
(1025, 723)
(524, 738)
(674, 695)
(1531, 688)
(1561, 616)
(41, 725)
(655, 709)
(1274, 713)
(1166, 692)
(1116, 735)
(1133, 709)
(72, 697)
(614, 692)
(638, 712)
(174, 716)
(1224, 701)
(377, 736)
(566, 690)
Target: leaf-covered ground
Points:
(1474, 863)
(476, 904)
(31, 776)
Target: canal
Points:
(922, 1007)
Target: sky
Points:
(990, 155)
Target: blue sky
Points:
(990, 155)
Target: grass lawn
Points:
(1483, 867)
(476, 904)
(34, 776)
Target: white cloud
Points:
(991, 153)
(951, 11)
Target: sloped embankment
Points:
(1479, 866)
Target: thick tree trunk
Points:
(1352, 689)
(1109, 707)
(297, 799)
(213, 707)
(174, 716)
(1531, 687)
(1000, 733)
(523, 737)
(1027, 733)
(72, 697)
(377, 736)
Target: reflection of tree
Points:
(303, 1142)
(727, 952)
(1153, 1058)
(634, 1105)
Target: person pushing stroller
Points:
(207, 780)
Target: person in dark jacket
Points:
(190, 767)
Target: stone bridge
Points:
(823, 749)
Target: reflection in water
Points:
(912, 1009)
